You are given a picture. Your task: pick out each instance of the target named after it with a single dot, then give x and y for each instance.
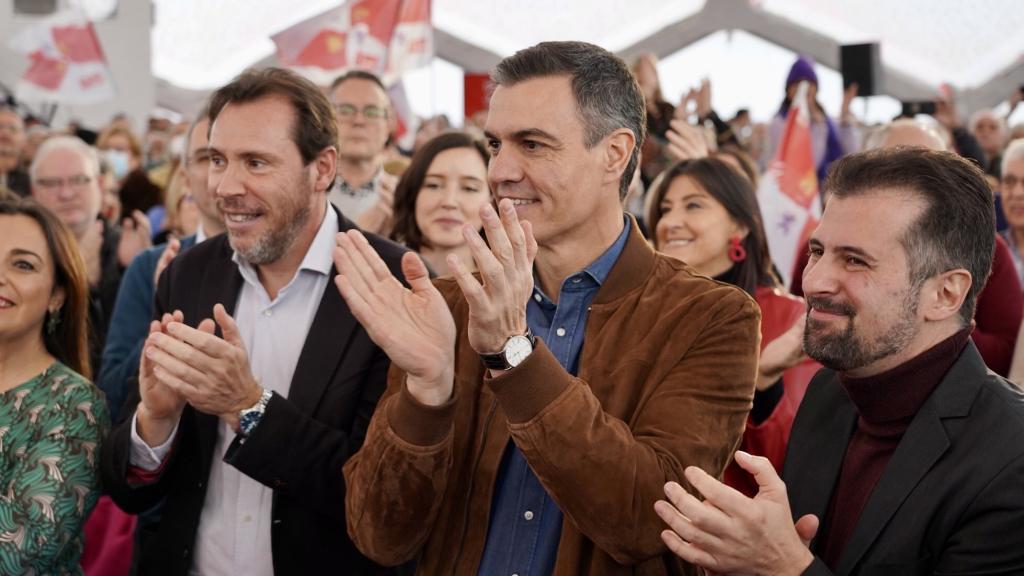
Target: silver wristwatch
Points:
(516, 349)
(250, 417)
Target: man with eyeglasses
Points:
(12, 145)
(363, 191)
(65, 179)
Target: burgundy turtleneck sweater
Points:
(886, 404)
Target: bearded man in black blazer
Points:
(906, 454)
(256, 383)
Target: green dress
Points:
(50, 433)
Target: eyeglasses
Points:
(79, 181)
(371, 112)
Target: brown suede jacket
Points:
(666, 380)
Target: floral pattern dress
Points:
(50, 433)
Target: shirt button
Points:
(577, 280)
(247, 518)
(268, 313)
(528, 515)
(537, 297)
(560, 331)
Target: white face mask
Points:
(177, 146)
(119, 161)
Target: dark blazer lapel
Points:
(817, 446)
(924, 442)
(221, 283)
(329, 337)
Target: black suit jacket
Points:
(299, 447)
(951, 499)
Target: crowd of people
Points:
(268, 340)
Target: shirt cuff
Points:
(142, 455)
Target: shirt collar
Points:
(599, 269)
(319, 257)
(200, 233)
(366, 188)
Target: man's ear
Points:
(618, 149)
(324, 167)
(944, 294)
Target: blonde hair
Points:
(177, 189)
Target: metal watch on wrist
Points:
(250, 417)
(516, 349)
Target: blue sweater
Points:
(129, 325)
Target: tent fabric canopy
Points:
(975, 48)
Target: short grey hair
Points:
(607, 95)
(1014, 151)
(70, 143)
(877, 138)
(986, 112)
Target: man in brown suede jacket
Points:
(536, 409)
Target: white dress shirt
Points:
(234, 527)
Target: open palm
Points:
(414, 327)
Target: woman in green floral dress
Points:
(51, 417)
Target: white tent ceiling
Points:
(745, 46)
(977, 48)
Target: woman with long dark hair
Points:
(441, 191)
(52, 418)
(705, 213)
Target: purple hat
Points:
(802, 70)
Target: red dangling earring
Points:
(737, 253)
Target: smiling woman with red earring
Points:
(52, 417)
(705, 213)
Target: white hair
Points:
(71, 144)
(1014, 151)
(930, 132)
(983, 113)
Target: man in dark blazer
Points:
(906, 455)
(256, 383)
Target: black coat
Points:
(299, 447)
(951, 499)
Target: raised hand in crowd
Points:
(380, 218)
(732, 534)
(172, 249)
(703, 99)
(945, 109)
(136, 236)
(210, 373)
(686, 141)
(91, 244)
(845, 115)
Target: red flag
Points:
(78, 43)
(44, 71)
(66, 62)
(326, 50)
(788, 195)
(374, 35)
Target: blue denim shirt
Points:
(526, 524)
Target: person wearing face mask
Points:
(123, 152)
(705, 213)
(442, 190)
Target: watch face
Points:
(517, 349)
(248, 421)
